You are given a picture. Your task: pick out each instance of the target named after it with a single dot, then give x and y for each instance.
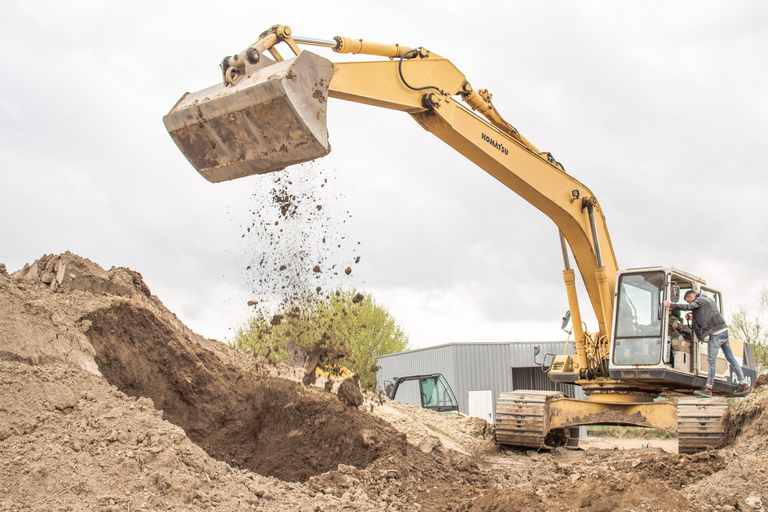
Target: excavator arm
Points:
(270, 113)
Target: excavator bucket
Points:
(266, 121)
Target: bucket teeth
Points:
(271, 119)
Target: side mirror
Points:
(675, 293)
(566, 320)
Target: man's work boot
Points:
(705, 393)
(742, 390)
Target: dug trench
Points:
(268, 425)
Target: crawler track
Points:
(522, 419)
(699, 423)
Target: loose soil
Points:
(297, 238)
(109, 402)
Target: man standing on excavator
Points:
(707, 321)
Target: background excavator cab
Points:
(426, 391)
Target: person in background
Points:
(677, 330)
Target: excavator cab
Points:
(646, 350)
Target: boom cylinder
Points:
(578, 331)
(349, 45)
(566, 262)
(605, 298)
(591, 210)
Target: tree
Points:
(300, 333)
(369, 331)
(753, 328)
(344, 327)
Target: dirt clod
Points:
(350, 393)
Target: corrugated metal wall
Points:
(438, 359)
(497, 367)
(482, 366)
(534, 378)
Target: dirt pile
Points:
(108, 402)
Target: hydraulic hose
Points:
(400, 70)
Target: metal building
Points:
(479, 372)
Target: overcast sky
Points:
(659, 107)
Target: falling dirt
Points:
(298, 238)
(299, 242)
(108, 402)
(349, 392)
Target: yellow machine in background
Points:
(334, 371)
(269, 113)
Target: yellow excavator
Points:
(269, 112)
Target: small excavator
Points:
(269, 112)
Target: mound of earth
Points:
(109, 402)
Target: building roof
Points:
(515, 353)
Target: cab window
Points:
(639, 319)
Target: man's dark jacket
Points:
(706, 316)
